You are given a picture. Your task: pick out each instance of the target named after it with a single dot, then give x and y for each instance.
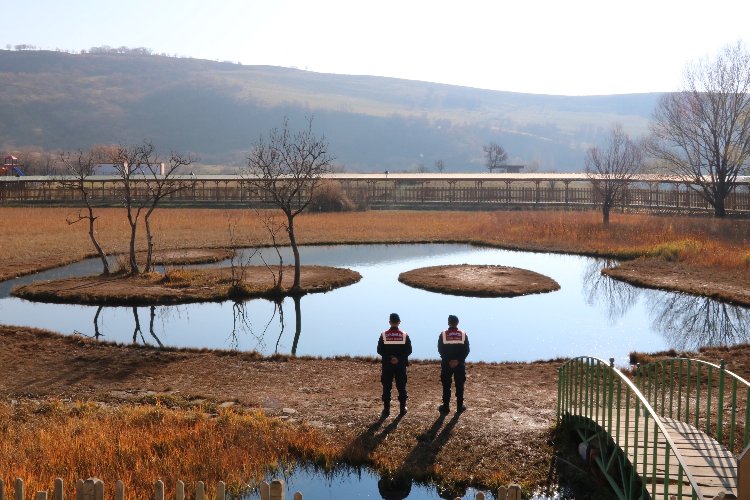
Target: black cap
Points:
(393, 318)
(452, 319)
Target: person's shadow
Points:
(368, 440)
(429, 444)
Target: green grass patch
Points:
(673, 251)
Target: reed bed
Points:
(141, 444)
(39, 238)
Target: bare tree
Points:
(611, 167)
(440, 166)
(494, 155)
(161, 182)
(79, 167)
(702, 133)
(139, 165)
(287, 167)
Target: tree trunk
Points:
(720, 210)
(149, 246)
(133, 261)
(605, 214)
(92, 235)
(296, 288)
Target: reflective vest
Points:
(454, 336)
(394, 336)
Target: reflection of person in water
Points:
(394, 487)
(451, 492)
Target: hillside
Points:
(54, 100)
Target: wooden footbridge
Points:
(678, 429)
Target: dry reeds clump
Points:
(329, 196)
(141, 444)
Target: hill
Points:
(55, 100)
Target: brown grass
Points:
(141, 444)
(39, 238)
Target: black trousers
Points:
(447, 374)
(388, 374)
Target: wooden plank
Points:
(712, 466)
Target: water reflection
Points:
(689, 322)
(393, 487)
(591, 314)
(616, 296)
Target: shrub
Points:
(330, 197)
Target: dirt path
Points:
(501, 439)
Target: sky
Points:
(563, 47)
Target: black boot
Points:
(444, 408)
(460, 408)
(386, 409)
(402, 408)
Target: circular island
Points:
(479, 280)
(183, 286)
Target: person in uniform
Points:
(394, 346)
(453, 346)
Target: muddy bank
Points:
(502, 438)
(479, 281)
(184, 286)
(725, 285)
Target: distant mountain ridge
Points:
(54, 100)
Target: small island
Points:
(183, 286)
(479, 280)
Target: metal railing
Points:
(709, 396)
(636, 452)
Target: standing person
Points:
(453, 346)
(394, 346)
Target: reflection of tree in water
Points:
(241, 324)
(689, 322)
(97, 333)
(616, 295)
(137, 329)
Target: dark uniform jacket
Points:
(398, 344)
(453, 344)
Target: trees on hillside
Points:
(702, 132)
(287, 168)
(494, 155)
(611, 167)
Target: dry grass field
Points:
(714, 250)
(40, 237)
(141, 444)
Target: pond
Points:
(591, 314)
(360, 483)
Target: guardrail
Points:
(628, 430)
(402, 192)
(714, 399)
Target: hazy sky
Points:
(573, 47)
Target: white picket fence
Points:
(93, 489)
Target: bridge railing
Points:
(601, 394)
(708, 396)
